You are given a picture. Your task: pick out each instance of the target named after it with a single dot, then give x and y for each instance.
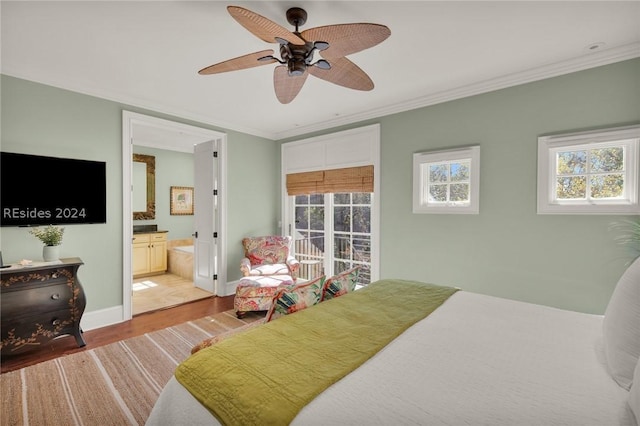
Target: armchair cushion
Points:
(268, 255)
(269, 249)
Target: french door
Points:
(332, 233)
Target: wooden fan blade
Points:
(345, 39)
(345, 73)
(287, 87)
(239, 63)
(262, 27)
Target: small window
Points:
(447, 181)
(589, 172)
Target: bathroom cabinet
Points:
(149, 253)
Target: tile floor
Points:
(162, 291)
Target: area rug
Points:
(115, 384)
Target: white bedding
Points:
(476, 360)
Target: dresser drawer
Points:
(28, 277)
(25, 333)
(41, 298)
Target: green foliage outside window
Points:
(449, 182)
(599, 168)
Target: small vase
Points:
(50, 253)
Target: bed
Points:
(474, 360)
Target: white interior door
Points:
(205, 217)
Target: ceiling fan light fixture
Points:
(321, 45)
(297, 50)
(323, 65)
(296, 68)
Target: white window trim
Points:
(547, 147)
(420, 205)
(348, 148)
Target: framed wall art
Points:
(181, 200)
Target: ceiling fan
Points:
(297, 51)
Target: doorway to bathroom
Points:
(190, 270)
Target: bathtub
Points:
(186, 249)
(180, 260)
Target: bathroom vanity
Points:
(149, 253)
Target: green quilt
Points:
(266, 375)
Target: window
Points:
(589, 172)
(332, 234)
(309, 234)
(447, 181)
(352, 233)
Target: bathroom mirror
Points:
(144, 187)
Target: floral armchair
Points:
(268, 255)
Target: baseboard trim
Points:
(102, 318)
(114, 315)
(229, 288)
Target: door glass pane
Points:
(346, 245)
(316, 199)
(342, 219)
(302, 217)
(352, 234)
(361, 198)
(361, 219)
(342, 247)
(309, 235)
(341, 198)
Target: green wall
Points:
(39, 119)
(567, 261)
(253, 193)
(507, 250)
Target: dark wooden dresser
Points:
(40, 303)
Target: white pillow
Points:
(621, 327)
(634, 395)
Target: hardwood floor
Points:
(139, 325)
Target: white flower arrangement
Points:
(50, 235)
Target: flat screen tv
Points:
(38, 190)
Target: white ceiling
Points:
(147, 54)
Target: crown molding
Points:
(581, 63)
(592, 60)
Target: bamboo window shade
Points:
(351, 179)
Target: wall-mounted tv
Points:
(39, 190)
